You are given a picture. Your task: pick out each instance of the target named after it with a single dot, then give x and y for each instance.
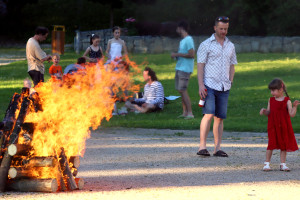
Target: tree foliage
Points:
(154, 17)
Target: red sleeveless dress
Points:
(280, 130)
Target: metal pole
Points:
(77, 42)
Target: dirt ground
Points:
(124, 163)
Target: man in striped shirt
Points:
(153, 98)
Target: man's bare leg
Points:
(218, 132)
(204, 129)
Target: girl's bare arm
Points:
(108, 48)
(87, 51)
(125, 49)
(292, 108)
(264, 111)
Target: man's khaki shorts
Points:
(182, 80)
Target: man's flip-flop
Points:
(220, 153)
(203, 152)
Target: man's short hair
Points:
(40, 30)
(184, 25)
(223, 19)
(151, 73)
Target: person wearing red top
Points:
(280, 131)
(55, 70)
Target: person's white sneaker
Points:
(284, 168)
(266, 167)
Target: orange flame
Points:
(71, 108)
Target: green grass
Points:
(248, 95)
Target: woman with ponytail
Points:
(280, 131)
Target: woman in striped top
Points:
(153, 98)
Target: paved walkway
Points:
(122, 163)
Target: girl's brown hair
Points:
(277, 83)
(93, 37)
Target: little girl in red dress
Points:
(280, 131)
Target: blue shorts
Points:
(216, 103)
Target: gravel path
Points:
(124, 163)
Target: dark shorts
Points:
(36, 76)
(182, 80)
(216, 103)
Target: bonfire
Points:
(44, 133)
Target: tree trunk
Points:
(111, 22)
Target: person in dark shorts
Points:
(184, 68)
(36, 56)
(216, 58)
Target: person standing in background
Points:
(36, 56)
(184, 68)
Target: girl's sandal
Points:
(267, 168)
(284, 168)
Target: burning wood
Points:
(33, 185)
(20, 168)
(41, 131)
(75, 161)
(18, 149)
(13, 138)
(68, 176)
(40, 162)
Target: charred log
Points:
(19, 172)
(13, 139)
(5, 165)
(74, 171)
(79, 183)
(18, 149)
(75, 161)
(40, 162)
(33, 185)
(68, 176)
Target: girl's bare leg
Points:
(269, 155)
(282, 156)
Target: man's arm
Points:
(200, 74)
(190, 54)
(231, 73)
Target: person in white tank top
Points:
(116, 45)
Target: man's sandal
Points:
(267, 168)
(203, 152)
(284, 168)
(220, 153)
